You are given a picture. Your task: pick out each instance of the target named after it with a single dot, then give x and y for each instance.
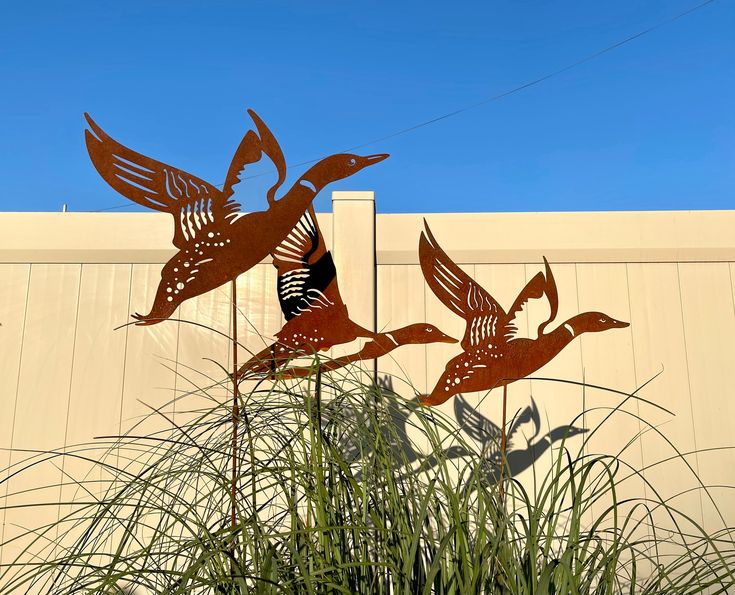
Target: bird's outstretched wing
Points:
(541, 285)
(307, 278)
(197, 206)
(245, 154)
(459, 292)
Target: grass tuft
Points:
(347, 487)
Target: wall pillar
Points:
(353, 247)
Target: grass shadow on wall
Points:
(346, 487)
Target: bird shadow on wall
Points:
(522, 450)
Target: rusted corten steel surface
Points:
(316, 317)
(216, 241)
(495, 352)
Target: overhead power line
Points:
(493, 98)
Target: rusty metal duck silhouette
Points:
(316, 317)
(216, 241)
(494, 355)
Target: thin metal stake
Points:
(503, 443)
(235, 407)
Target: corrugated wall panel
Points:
(608, 362)
(99, 350)
(660, 352)
(658, 344)
(42, 403)
(709, 328)
(14, 281)
(203, 336)
(259, 314)
(607, 358)
(400, 302)
(97, 377)
(150, 368)
(95, 395)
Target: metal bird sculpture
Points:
(216, 241)
(316, 317)
(494, 353)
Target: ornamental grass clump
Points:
(345, 486)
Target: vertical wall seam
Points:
(125, 352)
(732, 287)
(71, 381)
(585, 443)
(176, 370)
(73, 357)
(635, 371)
(689, 385)
(425, 286)
(228, 301)
(581, 363)
(374, 252)
(17, 392)
(528, 324)
(424, 317)
(637, 403)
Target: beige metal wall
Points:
(68, 374)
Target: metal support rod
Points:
(503, 443)
(235, 405)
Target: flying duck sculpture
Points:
(493, 352)
(316, 317)
(216, 241)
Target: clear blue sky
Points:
(650, 125)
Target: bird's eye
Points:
(603, 319)
(352, 162)
(429, 329)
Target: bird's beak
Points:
(619, 324)
(373, 159)
(447, 339)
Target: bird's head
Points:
(420, 334)
(594, 322)
(337, 167)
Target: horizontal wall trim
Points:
(115, 238)
(563, 257)
(470, 238)
(626, 236)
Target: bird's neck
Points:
(396, 337)
(310, 185)
(552, 343)
(314, 179)
(294, 203)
